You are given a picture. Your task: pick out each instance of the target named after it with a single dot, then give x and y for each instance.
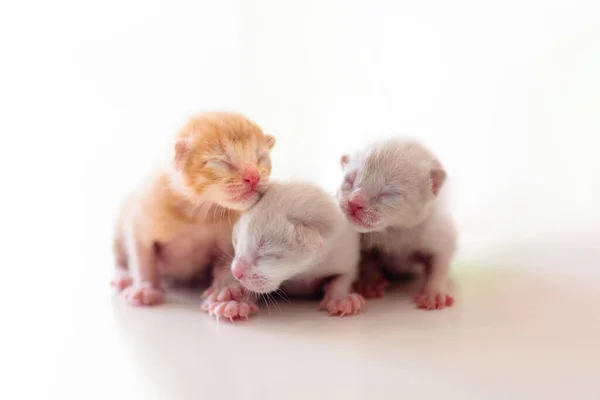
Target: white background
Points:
(507, 93)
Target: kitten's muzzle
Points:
(356, 210)
(251, 177)
(363, 219)
(240, 268)
(357, 203)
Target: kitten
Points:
(391, 193)
(293, 240)
(179, 221)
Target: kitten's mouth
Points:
(257, 284)
(245, 197)
(358, 221)
(354, 217)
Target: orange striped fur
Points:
(193, 197)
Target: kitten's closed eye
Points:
(388, 195)
(219, 164)
(349, 180)
(272, 256)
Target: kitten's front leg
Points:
(144, 289)
(226, 297)
(434, 294)
(339, 299)
(371, 283)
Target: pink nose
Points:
(251, 177)
(239, 269)
(357, 203)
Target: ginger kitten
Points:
(180, 220)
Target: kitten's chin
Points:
(243, 203)
(361, 226)
(360, 229)
(260, 289)
(237, 203)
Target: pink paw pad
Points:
(232, 309)
(349, 305)
(213, 295)
(143, 295)
(372, 289)
(121, 282)
(433, 300)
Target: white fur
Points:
(294, 234)
(409, 218)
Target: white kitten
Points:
(295, 238)
(391, 193)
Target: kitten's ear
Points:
(438, 177)
(270, 141)
(308, 236)
(182, 149)
(344, 160)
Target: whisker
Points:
(225, 259)
(219, 251)
(275, 303)
(264, 299)
(282, 294)
(223, 256)
(205, 214)
(385, 243)
(271, 301)
(270, 297)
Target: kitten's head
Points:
(393, 183)
(281, 236)
(223, 158)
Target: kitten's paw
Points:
(371, 289)
(232, 309)
(227, 293)
(143, 295)
(433, 299)
(349, 305)
(121, 282)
